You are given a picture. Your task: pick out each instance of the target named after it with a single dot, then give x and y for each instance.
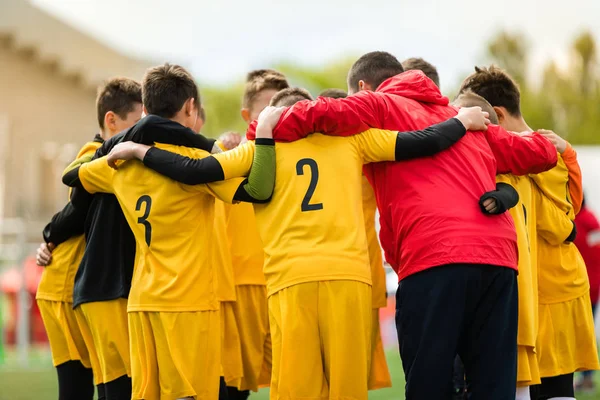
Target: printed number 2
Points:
(144, 218)
(314, 178)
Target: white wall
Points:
(589, 159)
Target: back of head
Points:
(419, 64)
(373, 68)
(334, 93)
(166, 88)
(470, 99)
(290, 96)
(496, 86)
(119, 95)
(260, 80)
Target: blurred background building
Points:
(50, 72)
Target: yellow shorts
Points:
(321, 333)
(175, 354)
(104, 329)
(567, 341)
(252, 316)
(379, 375)
(528, 369)
(64, 334)
(231, 352)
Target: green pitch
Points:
(39, 381)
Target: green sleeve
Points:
(261, 180)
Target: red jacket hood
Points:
(414, 85)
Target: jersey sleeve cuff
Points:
(265, 142)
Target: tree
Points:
(509, 50)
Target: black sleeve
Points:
(429, 141)
(191, 171)
(505, 195)
(71, 178)
(65, 224)
(242, 195)
(573, 234)
(153, 129)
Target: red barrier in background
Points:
(11, 282)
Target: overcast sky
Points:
(220, 40)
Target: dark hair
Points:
(166, 88)
(496, 86)
(119, 95)
(373, 68)
(419, 64)
(470, 99)
(289, 97)
(260, 80)
(334, 93)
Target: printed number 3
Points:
(314, 178)
(144, 218)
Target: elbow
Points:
(263, 200)
(263, 196)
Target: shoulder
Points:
(183, 150)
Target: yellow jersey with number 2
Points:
(313, 229)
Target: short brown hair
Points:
(166, 88)
(470, 99)
(290, 96)
(260, 80)
(119, 95)
(496, 86)
(373, 68)
(334, 93)
(419, 64)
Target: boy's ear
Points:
(501, 112)
(362, 85)
(190, 106)
(245, 115)
(144, 111)
(110, 122)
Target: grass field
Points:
(39, 381)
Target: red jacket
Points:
(588, 243)
(428, 207)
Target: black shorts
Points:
(465, 309)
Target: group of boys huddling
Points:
(164, 282)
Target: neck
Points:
(179, 118)
(107, 134)
(519, 125)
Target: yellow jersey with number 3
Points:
(313, 228)
(174, 229)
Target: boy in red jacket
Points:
(430, 218)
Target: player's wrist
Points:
(140, 151)
(264, 132)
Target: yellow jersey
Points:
(247, 255)
(174, 229)
(561, 270)
(554, 184)
(313, 228)
(58, 278)
(222, 255)
(524, 217)
(379, 290)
